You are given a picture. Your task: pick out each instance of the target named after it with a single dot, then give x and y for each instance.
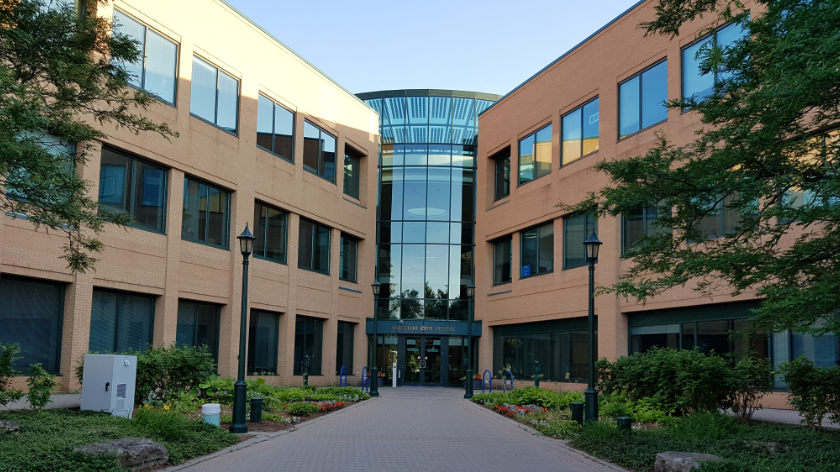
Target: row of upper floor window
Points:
(138, 187)
(641, 105)
(214, 98)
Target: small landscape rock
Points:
(769, 447)
(9, 426)
(681, 461)
(136, 455)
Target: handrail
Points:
(483, 381)
(504, 381)
(342, 375)
(365, 380)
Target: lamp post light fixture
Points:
(470, 295)
(374, 372)
(592, 245)
(238, 425)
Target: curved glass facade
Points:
(426, 213)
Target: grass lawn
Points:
(46, 441)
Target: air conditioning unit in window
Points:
(108, 383)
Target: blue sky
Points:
(486, 46)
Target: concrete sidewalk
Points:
(786, 417)
(58, 400)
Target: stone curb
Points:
(262, 437)
(582, 455)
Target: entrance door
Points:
(421, 360)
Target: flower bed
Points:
(512, 410)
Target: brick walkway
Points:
(406, 429)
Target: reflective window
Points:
(319, 151)
(440, 121)
(206, 214)
(463, 121)
(263, 334)
(30, 316)
(275, 128)
(314, 247)
(416, 154)
(198, 325)
(537, 250)
(696, 84)
(393, 154)
(214, 96)
(344, 348)
(502, 260)
(348, 258)
(413, 270)
(120, 321)
(414, 203)
(535, 155)
(133, 186)
(352, 170)
(437, 194)
(440, 154)
(641, 100)
(391, 194)
(270, 229)
(707, 336)
(577, 229)
(580, 132)
(502, 168)
(309, 334)
(389, 268)
(437, 270)
(639, 224)
(563, 355)
(462, 200)
(720, 219)
(155, 71)
(418, 119)
(463, 156)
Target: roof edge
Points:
(281, 43)
(428, 92)
(636, 5)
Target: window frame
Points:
(142, 87)
(214, 123)
(226, 246)
(563, 117)
(315, 224)
(134, 159)
(321, 166)
(522, 246)
(519, 155)
(714, 35)
(628, 250)
(356, 165)
(497, 159)
(265, 235)
(341, 257)
(587, 215)
(504, 239)
(290, 159)
(641, 100)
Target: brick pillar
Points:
(166, 306)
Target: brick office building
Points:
(266, 139)
(538, 146)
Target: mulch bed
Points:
(274, 426)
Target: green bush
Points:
(753, 379)
(492, 398)
(323, 397)
(644, 410)
(271, 417)
(302, 409)
(41, 385)
(682, 381)
(343, 393)
(814, 391)
(543, 397)
(8, 355)
(702, 426)
(164, 423)
(217, 389)
(292, 395)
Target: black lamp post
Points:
(470, 294)
(240, 388)
(374, 372)
(592, 245)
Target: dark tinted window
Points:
(263, 332)
(537, 250)
(578, 228)
(270, 229)
(206, 214)
(133, 186)
(348, 260)
(502, 165)
(198, 325)
(319, 150)
(351, 172)
(502, 260)
(121, 321)
(275, 128)
(30, 316)
(639, 224)
(314, 247)
(344, 348)
(308, 341)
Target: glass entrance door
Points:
(421, 360)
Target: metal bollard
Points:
(256, 410)
(624, 423)
(577, 412)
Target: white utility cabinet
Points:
(108, 383)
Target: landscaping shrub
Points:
(564, 429)
(270, 417)
(644, 410)
(543, 397)
(217, 389)
(321, 397)
(491, 398)
(814, 391)
(292, 395)
(343, 393)
(8, 355)
(41, 385)
(682, 381)
(701, 426)
(302, 409)
(164, 422)
(752, 379)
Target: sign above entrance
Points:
(453, 328)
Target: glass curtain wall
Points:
(426, 202)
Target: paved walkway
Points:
(406, 429)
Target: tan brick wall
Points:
(171, 268)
